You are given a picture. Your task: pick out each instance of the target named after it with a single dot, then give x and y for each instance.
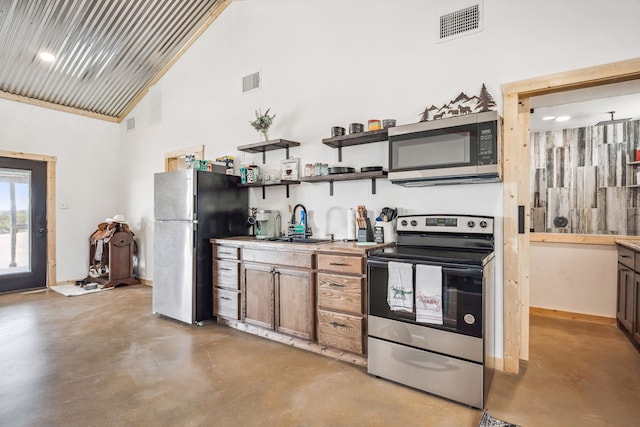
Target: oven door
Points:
(461, 297)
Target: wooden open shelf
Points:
(356, 139)
(272, 144)
(347, 177)
(264, 184)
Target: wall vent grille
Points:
(461, 22)
(131, 124)
(251, 82)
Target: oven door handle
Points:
(445, 269)
(377, 263)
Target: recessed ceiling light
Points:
(562, 118)
(548, 117)
(47, 56)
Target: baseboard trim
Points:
(355, 359)
(146, 282)
(571, 315)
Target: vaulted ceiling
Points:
(104, 54)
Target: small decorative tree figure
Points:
(485, 100)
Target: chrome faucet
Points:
(304, 220)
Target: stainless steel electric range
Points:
(429, 323)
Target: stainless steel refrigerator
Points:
(190, 207)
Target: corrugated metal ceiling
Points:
(108, 52)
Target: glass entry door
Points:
(23, 224)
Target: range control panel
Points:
(446, 224)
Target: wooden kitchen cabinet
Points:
(342, 302)
(258, 292)
(628, 299)
(278, 291)
(226, 282)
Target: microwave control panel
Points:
(487, 143)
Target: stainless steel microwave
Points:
(456, 150)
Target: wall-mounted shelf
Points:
(272, 144)
(270, 184)
(356, 139)
(347, 177)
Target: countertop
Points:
(632, 244)
(337, 246)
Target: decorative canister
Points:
(356, 127)
(253, 172)
(243, 175)
(374, 124)
(388, 123)
(337, 131)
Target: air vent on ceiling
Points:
(460, 23)
(131, 124)
(251, 82)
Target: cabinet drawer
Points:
(341, 263)
(279, 258)
(341, 293)
(226, 274)
(226, 303)
(626, 257)
(340, 331)
(226, 252)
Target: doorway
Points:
(23, 224)
(517, 105)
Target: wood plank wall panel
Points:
(583, 174)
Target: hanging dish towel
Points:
(400, 286)
(429, 294)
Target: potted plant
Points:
(263, 122)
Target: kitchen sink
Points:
(299, 240)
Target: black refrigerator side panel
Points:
(221, 211)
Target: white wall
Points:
(574, 278)
(87, 152)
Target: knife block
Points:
(365, 234)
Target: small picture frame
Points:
(289, 169)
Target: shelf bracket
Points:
(340, 153)
(373, 186)
(287, 184)
(330, 188)
(264, 159)
(286, 152)
(263, 193)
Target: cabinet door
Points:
(258, 295)
(624, 311)
(636, 314)
(295, 303)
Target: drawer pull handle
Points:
(336, 285)
(338, 325)
(226, 298)
(625, 256)
(342, 264)
(225, 269)
(225, 253)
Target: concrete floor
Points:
(105, 360)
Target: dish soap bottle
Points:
(303, 224)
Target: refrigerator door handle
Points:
(195, 206)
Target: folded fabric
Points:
(429, 294)
(400, 286)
